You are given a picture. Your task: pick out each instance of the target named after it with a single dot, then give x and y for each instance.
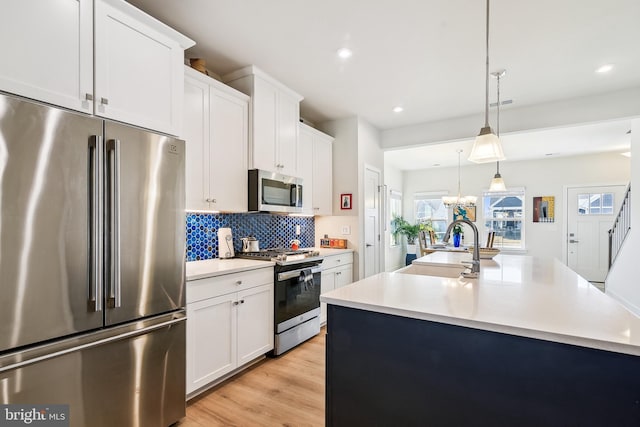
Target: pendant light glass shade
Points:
(497, 183)
(487, 147)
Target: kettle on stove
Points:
(250, 244)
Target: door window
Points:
(595, 204)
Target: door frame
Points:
(378, 243)
(565, 211)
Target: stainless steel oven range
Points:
(297, 295)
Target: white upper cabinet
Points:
(305, 163)
(47, 51)
(216, 127)
(138, 74)
(317, 146)
(275, 114)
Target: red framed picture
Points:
(345, 201)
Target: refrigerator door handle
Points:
(22, 359)
(94, 302)
(113, 152)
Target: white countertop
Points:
(518, 295)
(217, 267)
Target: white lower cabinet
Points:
(337, 271)
(229, 324)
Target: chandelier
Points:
(459, 201)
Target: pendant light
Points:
(497, 183)
(453, 201)
(487, 147)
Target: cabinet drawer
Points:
(210, 287)
(337, 260)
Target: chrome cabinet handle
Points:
(239, 282)
(104, 101)
(113, 148)
(574, 241)
(88, 96)
(368, 245)
(236, 303)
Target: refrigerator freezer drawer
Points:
(125, 376)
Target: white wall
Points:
(345, 161)
(394, 256)
(356, 144)
(622, 281)
(545, 177)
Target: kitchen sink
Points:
(433, 270)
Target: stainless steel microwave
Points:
(273, 192)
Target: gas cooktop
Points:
(281, 256)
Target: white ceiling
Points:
(425, 55)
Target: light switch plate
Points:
(346, 229)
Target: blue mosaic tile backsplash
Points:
(273, 231)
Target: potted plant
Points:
(457, 232)
(410, 231)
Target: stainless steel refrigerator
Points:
(92, 252)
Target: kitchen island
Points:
(527, 343)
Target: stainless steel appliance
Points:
(297, 281)
(92, 251)
(250, 244)
(273, 192)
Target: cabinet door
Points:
(288, 123)
(306, 162)
(255, 323)
(344, 275)
(195, 132)
(327, 283)
(47, 51)
(228, 153)
(322, 175)
(211, 340)
(265, 101)
(139, 71)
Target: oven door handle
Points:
(286, 275)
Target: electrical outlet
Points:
(297, 230)
(346, 230)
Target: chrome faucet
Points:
(475, 264)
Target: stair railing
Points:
(621, 227)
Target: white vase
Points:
(412, 249)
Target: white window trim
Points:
(393, 194)
(523, 221)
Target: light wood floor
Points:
(285, 391)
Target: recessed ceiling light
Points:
(398, 109)
(344, 53)
(605, 68)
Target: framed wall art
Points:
(543, 209)
(345, 201)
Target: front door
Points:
(591, 213)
